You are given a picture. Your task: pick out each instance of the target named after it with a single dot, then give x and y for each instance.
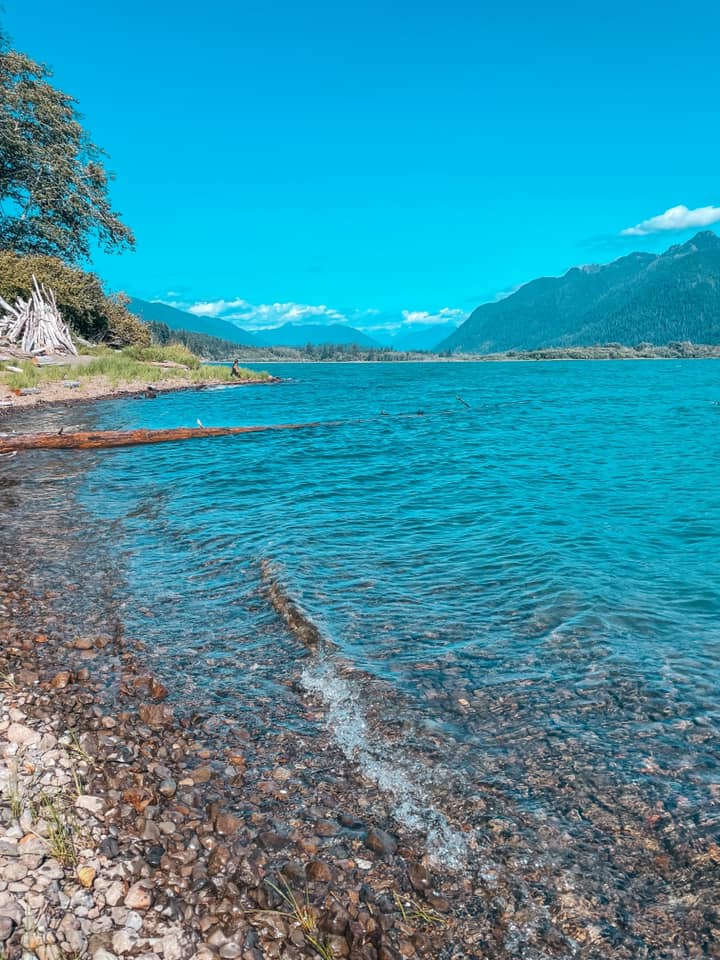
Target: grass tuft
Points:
(15, 794)
(302, 914)
(412, 912)
(60, 834)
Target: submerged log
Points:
(93, 440)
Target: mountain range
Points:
(672, 296)
(418, 337)
(286, 335)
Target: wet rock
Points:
(61, 680)
(155, 714)
(326, 828)
(201, 774)
(168, 788)
(334, 922)
(157, 690)
(83, 643)
(337, 946)
(380, 842)
(226, 824)
(419, 877)
(318, 871)
(218, 860)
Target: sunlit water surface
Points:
(515, 567)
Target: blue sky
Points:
(385, 162)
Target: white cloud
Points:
(214, 308)
(424, 317)
(676, 218)
(262, 316)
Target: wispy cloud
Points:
(426, 318)
(213, 308)
(676, 218)
(261, 316)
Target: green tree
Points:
(53, 185)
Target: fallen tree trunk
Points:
(93, 440)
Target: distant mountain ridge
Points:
(152, 310)
(642, 297)
(300, 334)
(287, 335)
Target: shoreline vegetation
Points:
(103, 373)
(223, 351)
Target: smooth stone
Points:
(124, 941)
(138, 897)
(23, 736)
(94, 805)
(380, 841)
(7, 925)
(110, 848)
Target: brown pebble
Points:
(155, 714)
(83, 643)
(61, 680)
(380, 841)
(226, 823)
(419, 877)
(319, 871)
(138, 897)
(201, 774)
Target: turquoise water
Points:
(519, 587)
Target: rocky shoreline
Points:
(57, 393)
(128, 829)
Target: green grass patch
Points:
(130, 365)
(173, 353)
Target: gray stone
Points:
(168, 787)
(94, 805)
(172, 948)
(133, 921)
(7, 925)
(124, 941)
(15, 871)
(114, 893)
(23, 736)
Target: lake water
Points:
(515, 568)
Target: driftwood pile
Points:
(35, 324)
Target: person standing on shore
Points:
(235, 370)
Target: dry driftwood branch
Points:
(87, 440)
(36, 324)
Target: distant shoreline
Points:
(490, 358)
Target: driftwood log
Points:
(94, 440)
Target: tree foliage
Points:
(53, 185)
(82, 302)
